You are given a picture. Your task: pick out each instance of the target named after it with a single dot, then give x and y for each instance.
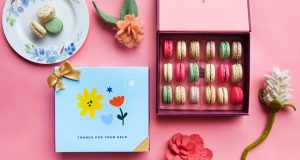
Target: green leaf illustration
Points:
(119, 117)
(125, 114)
(108, 19)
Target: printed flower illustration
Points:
(118, 102)
(89, 102)
(275, 97)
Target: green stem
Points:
(122, 116)
(262, 137)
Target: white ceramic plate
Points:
(17, 15)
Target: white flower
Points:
(277, 86)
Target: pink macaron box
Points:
(202, 21)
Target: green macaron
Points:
(224, 50)
(54, 26)
(193, 72)
(167, 94)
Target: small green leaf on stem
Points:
(119, 117)
(292, 106)
(106, 18)
(125, 114)
(261, 96)
(133, 9)
(124, 10)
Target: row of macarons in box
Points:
(211, 95)
(225, 50)
(224, 72)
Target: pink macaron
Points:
(168, 49)
(223, 73)
(180, 72)
(236, 95)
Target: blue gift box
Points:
(107, 110)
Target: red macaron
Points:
(223, 73)
(236, 95)
(180, 72)
(168, 49)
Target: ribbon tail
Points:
(59, 85)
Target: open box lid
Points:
(203, 15)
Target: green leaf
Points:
(106, 18)
(132, 8)
(124, 10)
(12, 22)
(27, 46)
(125, 114)
(261, 96)
(119, 117)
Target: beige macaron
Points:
(236, 73)
(37, 29)
(236, 50)
(195, 50)
(222, 95)
(180, 96)
(210, 50)
(209, 73)
(210, 95)
(46, 13)
(168, 72)
(181, 50)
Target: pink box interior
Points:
(202, 107)
(203, 15)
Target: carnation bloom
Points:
(130, 31)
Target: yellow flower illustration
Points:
(89, 102)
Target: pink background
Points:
(27, 106)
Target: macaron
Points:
(168, 49)
(223, 73)
(209, 73)
(180, 72)
(224, 50)
(222, 95)
(210, 50)
(54, 26)
(46, 13)
(37, 29)
(236, 73)
(181, 50)
(193, 72)
(195, 50)
(180, 96)
(210, 95)
(167, 94)
(168, 72)
(194, 95)
(236, 95)
(236, 50)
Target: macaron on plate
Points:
(30, 40)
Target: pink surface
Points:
(203, 15)
(27, 105)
